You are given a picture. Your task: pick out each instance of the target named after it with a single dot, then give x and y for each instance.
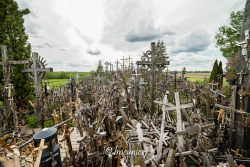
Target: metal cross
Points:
(154, 62)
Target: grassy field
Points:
(56, 82)
(199, 80)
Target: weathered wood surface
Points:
(75, 135)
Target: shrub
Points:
(33, 122)
(48, 123)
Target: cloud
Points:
(64, 49)
(196, 41)
(147, 32)
(45, 45)
(111, 29)
(93, 51)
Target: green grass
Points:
(205, 80)
(56, 82)
(199, 80)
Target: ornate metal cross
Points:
(154, 62)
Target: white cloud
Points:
(69, 33)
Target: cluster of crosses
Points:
(36, 69)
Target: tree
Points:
(99, 67)
(14, 37)
(161, 50)
(228, 36)
(220, 72)
(214, 73)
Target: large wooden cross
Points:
(37, 70)
(7, 70)
(153, 61)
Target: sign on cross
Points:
(154, 62)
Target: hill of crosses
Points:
(132, 111)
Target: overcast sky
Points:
(74, 34)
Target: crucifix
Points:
(37, 71)
(154, 61)
(241, 78)
(242, 93)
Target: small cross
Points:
(123, 65)
(241, 78)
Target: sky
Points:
(73, 35)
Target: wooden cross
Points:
(164, 106)
(123, 65)
(242, 93)
(110, 66)
(55, 117)
(244, 45)
(129, 58)
(241, 77)
(153, 62)
(117, 65)
(6, 64)
(213, 84)
(106, 64)
(40, 151)
(183, 73)
(6, 78)
(179, 124)
(37, 70)
(175, 81)
(3, 143)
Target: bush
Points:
(48, 123)
(33, 122)
(227, 91)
